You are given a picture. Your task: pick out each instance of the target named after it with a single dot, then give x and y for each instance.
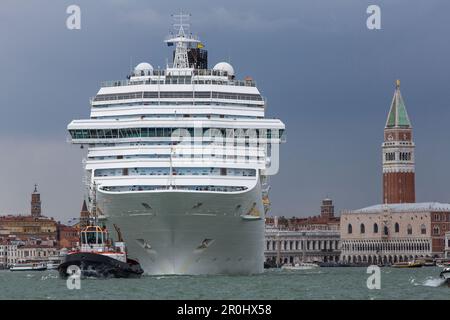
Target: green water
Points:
(322, 283)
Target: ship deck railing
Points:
(120, 83)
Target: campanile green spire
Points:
(398, 117)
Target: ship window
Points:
(91, 238)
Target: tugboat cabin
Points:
(94, 238)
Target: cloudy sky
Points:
(327, 76)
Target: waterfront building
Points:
(67, 236)
(447, 245)
(11, 252)
(19, 252)
(398, 229)
(3, 254)
(291, 246)
(440, 224)
(311, 239)
(388, 233)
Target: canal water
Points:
(321, 283)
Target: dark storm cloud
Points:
(323, 72)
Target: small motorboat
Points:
(410, 264)
(97, 257)
(299, 266)
(52, 265)
(442, 263)
(445, 274)
(28, 267)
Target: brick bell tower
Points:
(35, 203)
(398, 154)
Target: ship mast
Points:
(94, 203)
(171, 168)
(182, 40)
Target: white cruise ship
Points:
(178, 158)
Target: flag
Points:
(200, 45)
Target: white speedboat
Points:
(28, 267)
(299, 266)
(52, 265)
(443, 263)
(445, 273)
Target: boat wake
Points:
(429, 282)
(49, 276)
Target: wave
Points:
(429, 282)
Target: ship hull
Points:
(179, 232)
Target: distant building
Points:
(3, 254)
(311, 239)
(398, 154)
(67, 236)
(291, 246)
(32, 253)
(84, 216)
(34, 226)
(36, 210)
(325, 221)
(389, 233)
(440, 224)
(399, 229)
(33, 237)
(447, 245)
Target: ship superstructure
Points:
(179, 159)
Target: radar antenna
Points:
(180, 25)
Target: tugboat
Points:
(97, 257)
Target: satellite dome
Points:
(143, 68)
(224, 66)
